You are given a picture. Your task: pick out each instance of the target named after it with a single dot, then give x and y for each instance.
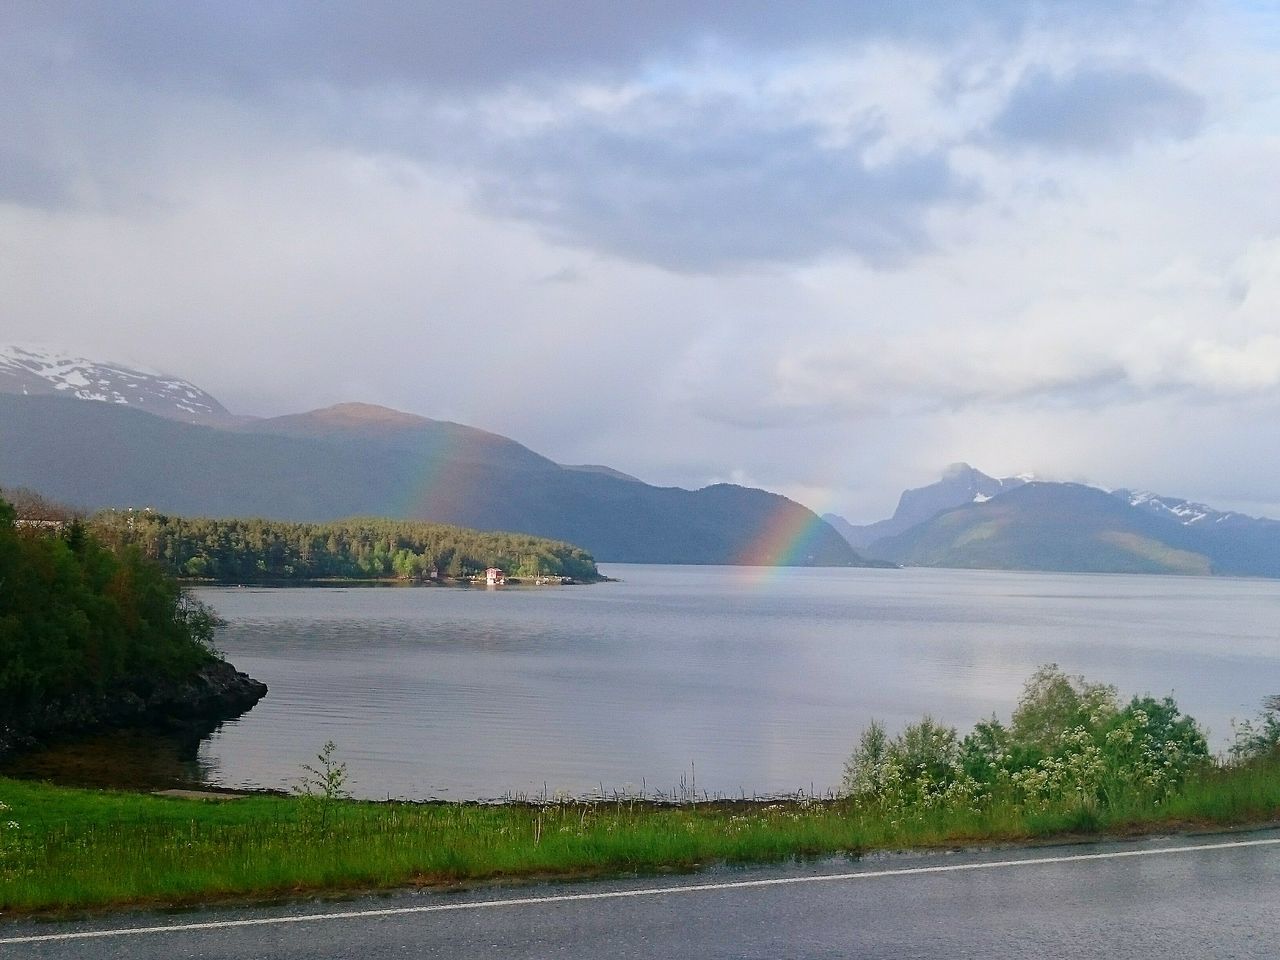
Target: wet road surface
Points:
(1203, 896)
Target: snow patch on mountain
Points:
(1185, 512)
(34, 370)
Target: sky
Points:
(825, 248)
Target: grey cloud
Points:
(243, 45)
(718, 187)
(712, 186)
(1097, 109)
(29, 179)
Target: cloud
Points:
(1036, 366)
(702, 185)
(1084, 334)
(244, 46)
(691, 136)
(1097, 109)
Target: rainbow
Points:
(786, 538)
(439, 484)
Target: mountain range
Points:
(155, 440)
(968, 519)
(159, 441)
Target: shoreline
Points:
(517, 582)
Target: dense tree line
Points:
(77, 616)
(243, 551)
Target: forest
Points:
(256, 550)
(77, 616)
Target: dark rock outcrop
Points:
(192, 706)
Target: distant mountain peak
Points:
(960, 483)
(37, 369)
(364, 414)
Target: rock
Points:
(193, 706)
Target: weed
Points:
(323, 784)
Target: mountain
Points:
(386, 429)
(960, 484)
(41, 371)
(357, 459)
(1071, 527)
(1238, 544)
(597, 468)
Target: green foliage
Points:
(253, 550)
(7, 827)
(1260, 738)
(919, 768)
(1053, 703)
(323, 783)
(77, 616)
(1069, 744)
(86, 848)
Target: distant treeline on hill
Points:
(243, 551)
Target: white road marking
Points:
(643, 892)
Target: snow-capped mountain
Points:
(1186, 512)
(36, 370)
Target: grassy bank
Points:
(82, 849)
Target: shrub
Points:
(921, 767)
(1069, 744)
(1259, 738)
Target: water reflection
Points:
(122, 759)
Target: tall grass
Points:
(82, 849)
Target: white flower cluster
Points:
(1075, 771)
(8, 824)
(1146, 761)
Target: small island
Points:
(364, 549)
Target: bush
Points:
(1260, 738)
(1069, 743)
(920, 767)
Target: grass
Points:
(86, 849)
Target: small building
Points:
(494, 577)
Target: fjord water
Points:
(750, 680)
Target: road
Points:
(1205, 896)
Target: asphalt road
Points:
(1205, 896)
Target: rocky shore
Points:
(191, 706)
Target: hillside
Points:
(1238, 544)
(1069, 527)
(367, 461)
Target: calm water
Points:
(753, 681)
